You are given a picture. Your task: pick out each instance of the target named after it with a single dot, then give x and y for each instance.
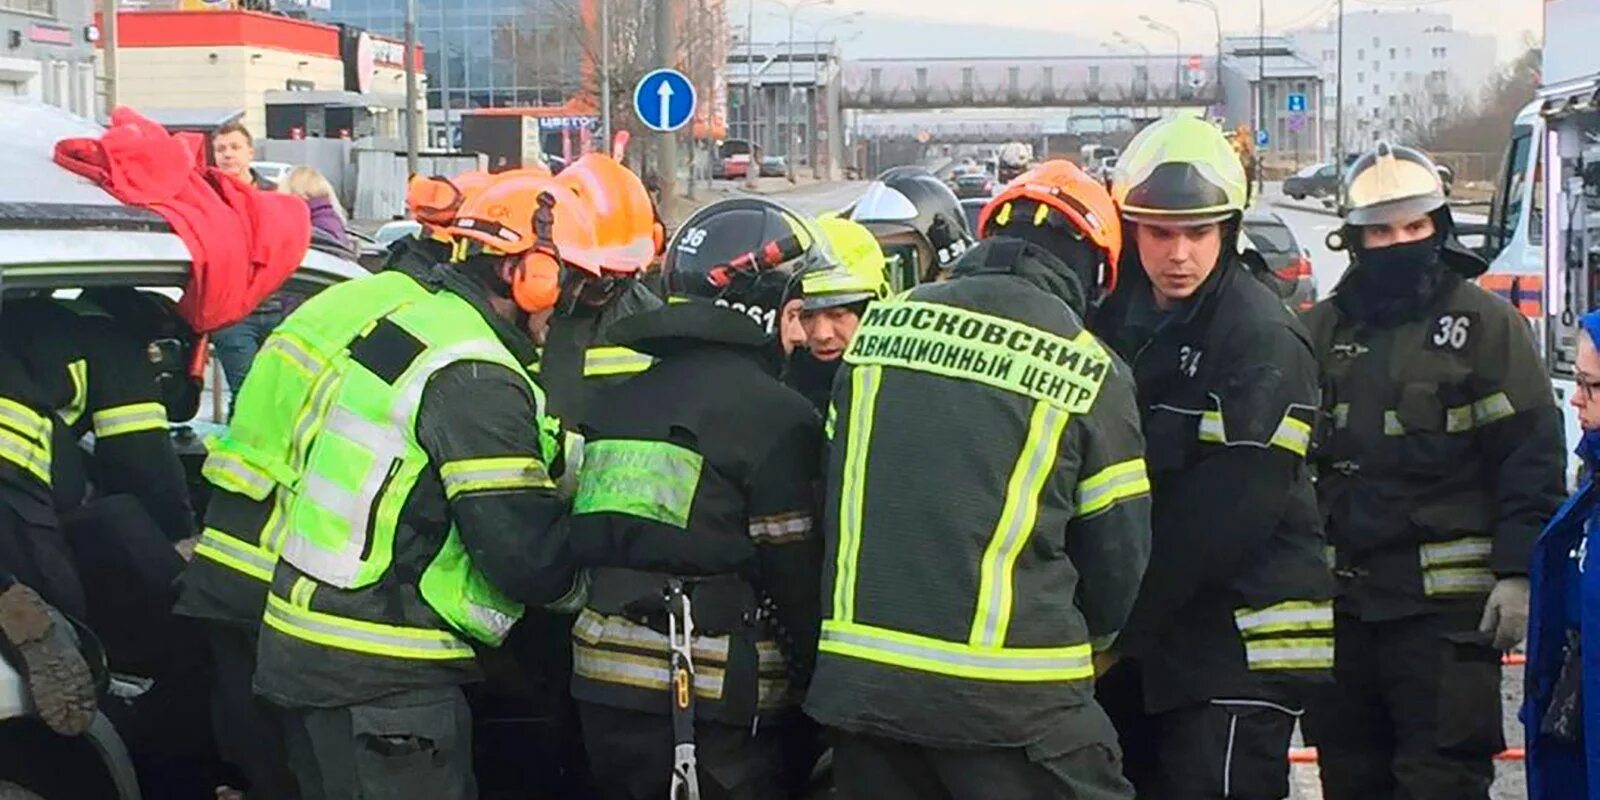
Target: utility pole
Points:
(666, 49)
(1338, 109)
(108, 42)
(788, 106)
(444, 79)
(750, 93)
(410, 116)
(1261, 84)
(605, 76)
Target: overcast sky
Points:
(1087, 22)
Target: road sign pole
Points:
(666, 47)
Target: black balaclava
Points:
(1389, 285)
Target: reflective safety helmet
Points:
(1057, 194)
(860, 275)
(1391, 183)
(630, 234)
(911, 200)
(540, 222)
(744, 253)
(434, 200)
(1180, 171)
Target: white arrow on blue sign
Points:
(664, 100)
(1297, 102)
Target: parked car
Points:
(975, 184)
(371, 253)
(774, 167)
(1317, 180)
(275, 171)
(60, 233)
(733, 167)
(972, 207)
(1288, 267)
(391, 232)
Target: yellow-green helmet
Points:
(861, 274)
(1180, 170)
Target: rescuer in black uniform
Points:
(972, 569)
(917, 220)
(703, 469)
(1441, 461)
(1234, 618)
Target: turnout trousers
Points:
(1414, 712)
(249, 730)
(415, 745)
(1226, 749)
(1083, 764)
(631, 755)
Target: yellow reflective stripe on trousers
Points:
(1307, 653)
(1112, 485)
(599, 362)
(78, 372)
(131, 418)
(1021, 511)
(236, 554)
(1014, 664)
(864, 384)
(1286, 617)
(393, 641)
(493, 474)
(1473, 550)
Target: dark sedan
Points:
(1317, 180)
(1289, 267)
(974, 184)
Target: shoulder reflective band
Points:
(25, 439)
(1034, 466)
(493, 475)
(653, 480)
(133, 418)
(393, 641)
(1292, 434)
(1112, 485)
(966, 345)
(908, 651)
(864, 383)
(600, 362)
(295, 351)
(236, 554)
(78, 371)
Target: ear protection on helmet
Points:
(536, 279)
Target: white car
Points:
(275, 171)
(61, 233)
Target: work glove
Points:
(571, 465)
(1506, 613)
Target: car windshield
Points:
(1309, 171)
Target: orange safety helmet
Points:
(434, 200)
(630, 232)
(1060, 185)
(541, 221)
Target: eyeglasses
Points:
(1588, 386)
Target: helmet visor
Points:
(883, 204)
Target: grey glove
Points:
(1505, 614)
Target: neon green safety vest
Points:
(342, 441)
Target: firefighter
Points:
(1057, 206)
(1234, 618)
(702, 470)
(917, 220)
(424, 515)
(97, 374)
(1442, 461)
(972, 569)
(834, 300)
(578, 354)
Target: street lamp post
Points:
(1177, 63)
(1216, 16)
(605, 76)
(1261, 83)
(750, 93)
(816, 39)
(788, 106)
(411, 87)
(1123, 38)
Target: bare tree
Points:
(1482, 128)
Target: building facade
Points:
(1268, 86)
(1402, 71)
(285, 78)
(48, 53)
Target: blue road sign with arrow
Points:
(1262, 139)
(1297, 102)
(664, 100)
